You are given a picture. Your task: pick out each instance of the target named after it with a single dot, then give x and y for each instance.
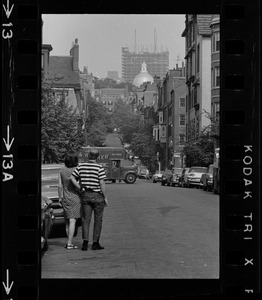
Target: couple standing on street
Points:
(81, 191)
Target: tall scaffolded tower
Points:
(157, 61)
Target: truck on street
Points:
(114, 161)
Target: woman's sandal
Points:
(70, 247)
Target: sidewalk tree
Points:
(200, 151)
(126, 121)
(97, 123)
(143, 145)
(60, 125)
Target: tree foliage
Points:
(200, 152)
(111, 83)
(125, 120)
(97, 124)
(143, 145)
(60, 126)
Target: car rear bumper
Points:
(59, 220)
(194, 181)
(210, 182)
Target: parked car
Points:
(166, 177)
(50, 174)
(176, 175)
(182, 179)
(47, 219)
(50, 190)
(194, 176)
(206, 180)
(157, 176)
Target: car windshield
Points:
(50, 172)
(177, 171)
(198, 169)
(159, 172)
(143, 168)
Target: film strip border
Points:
(240, 146)
(20, 149)
(240, 149)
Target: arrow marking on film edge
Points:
(7, 287)
(7, 10)
(8, 144)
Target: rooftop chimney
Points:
(85, 71)
(74, 52)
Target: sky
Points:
(101, 37)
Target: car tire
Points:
(162, 183)
(130, 178)
(45, 247)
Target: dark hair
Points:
(93, 154)
(71, 160)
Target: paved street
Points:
(149, 231)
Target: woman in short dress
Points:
(69, 197)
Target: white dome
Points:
(143, 76)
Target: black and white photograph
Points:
(130, 140)
(131, 149)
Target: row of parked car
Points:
(51, 212)
(195, 176)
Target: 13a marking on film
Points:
(7, 287)
(8, 158)
(7, 33)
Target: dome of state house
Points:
(143, 76)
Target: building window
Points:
(216, 41)
(182, 102)
(215, 110)
(194, 96)
(215, 77)
(182, 120)
(198, 58)
(169, 130)
(170, 111)
(182, 139)
(172, 96)
(160, 117)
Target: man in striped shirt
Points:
(89, 178)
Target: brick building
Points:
(198, 73)
(170, 127)
(62, 72)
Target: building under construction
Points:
(157, 63)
